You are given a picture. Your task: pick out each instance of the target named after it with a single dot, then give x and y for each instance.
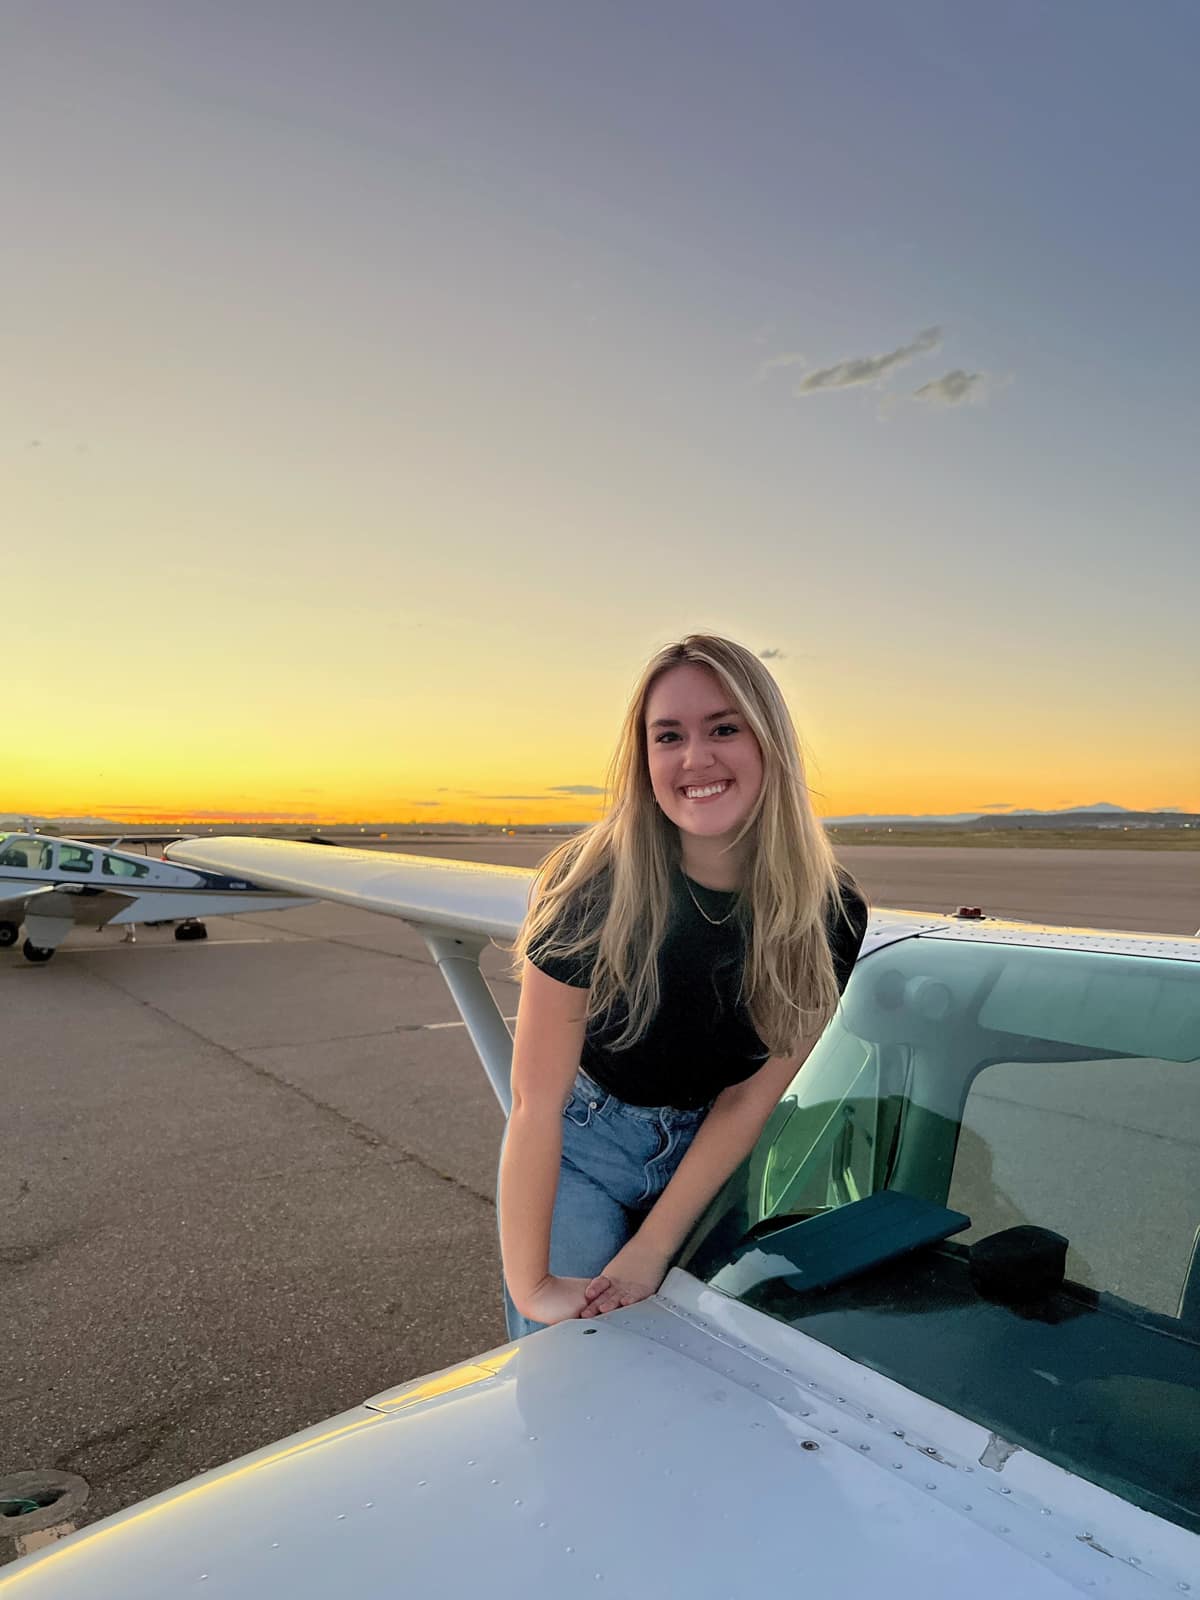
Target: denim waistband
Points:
(678, 1116)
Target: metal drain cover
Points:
(31, 1501)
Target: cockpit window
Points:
(74, 858)
(18, 851)
(1036, 1114)
(119, 867)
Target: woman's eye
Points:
(722, 727)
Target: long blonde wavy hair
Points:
(616, 874)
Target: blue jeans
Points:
(616, 1161)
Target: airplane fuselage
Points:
(54, 884)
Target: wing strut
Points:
(457, 959)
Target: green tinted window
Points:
(1054, 1092)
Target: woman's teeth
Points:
(706, 791)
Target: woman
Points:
(678, 962)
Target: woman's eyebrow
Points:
(673, 722)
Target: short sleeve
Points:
(576, 970)
(847, 927)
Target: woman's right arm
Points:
(551, 1017)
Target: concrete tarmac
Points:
(249, 1182)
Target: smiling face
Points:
(705, 763)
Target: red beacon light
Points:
(969, 913)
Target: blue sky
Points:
(407, 339)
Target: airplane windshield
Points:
(1049, 1100)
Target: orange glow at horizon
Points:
(372, 734)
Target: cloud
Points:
(162, 813)
(789, 358)
(771, 654)
(953, 388)
(248, 816)
(868, 369)
(998, 805)
(554, 789)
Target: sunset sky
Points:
(383, 383)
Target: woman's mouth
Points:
(699, 793)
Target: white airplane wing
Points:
(51, 910)
(21, 908)
(12, 907)
(468, 897)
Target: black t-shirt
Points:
(700, 1040)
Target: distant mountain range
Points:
(1075, 814)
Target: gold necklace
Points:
(716, 921)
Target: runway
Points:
(249, 1182)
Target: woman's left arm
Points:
(723, 1141)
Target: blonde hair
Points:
(616, 874)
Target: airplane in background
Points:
(939, 1334)
(53, 885)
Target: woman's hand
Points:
(633, 1274)
(556, 1299)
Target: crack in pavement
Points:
(144, 1437)
(13, 1256)
(343, 1038)
(350, 1125)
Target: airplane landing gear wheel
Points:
(190, 930)
(35, 953)
(10, 932)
